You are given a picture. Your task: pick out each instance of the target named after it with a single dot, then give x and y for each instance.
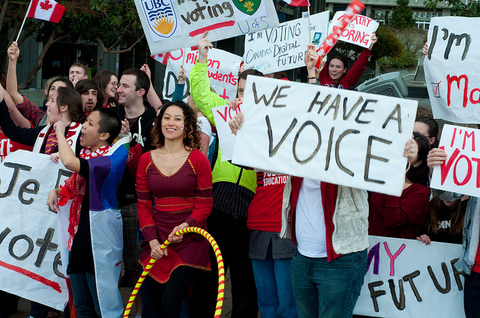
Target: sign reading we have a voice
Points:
(334, 135)
(460, 173)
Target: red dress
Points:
(185, 196)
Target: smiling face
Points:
(54, 87)
(90, 135)
(111, 88)
(127, 94)
(173, 122)
(336, 69)
(89, 100)
(53, 112)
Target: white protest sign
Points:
(283, 47)
(226, 138)
(452, 71)
(359, 31)
(174, 24)
(222, 71)
(30, 264)
(334, 135)
(407, 278)
(460, 172)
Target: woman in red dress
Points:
(174, 188)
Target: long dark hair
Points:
(420, 173)
(432, 129)
(102, 78)
(457, 212)
(191, 137)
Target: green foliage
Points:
(459, 8)
(406, 60)
(402, 15)
(387, 44)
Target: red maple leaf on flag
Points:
(46, 5)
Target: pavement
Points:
(24, 305)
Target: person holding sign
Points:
(404, 216)
(174, 189)
(469, 262)
(89, 199)
(233, 191)
(335, 74)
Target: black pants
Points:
(232, 237)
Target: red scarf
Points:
(74, 190)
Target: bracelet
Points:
(312, 77)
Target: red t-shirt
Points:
(476, 266)
(7, 146)
(265, 211)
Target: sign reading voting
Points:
(460, 172)
(334, 135)
(29, 247)
(407, 278)
(174, 24)
(283, 47)
(222, 71)
(359, 31)
(452, 71)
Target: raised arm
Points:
(12, 86)
(152, 95)
(68, 158)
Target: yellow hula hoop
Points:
(221, 271)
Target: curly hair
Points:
(191, 138)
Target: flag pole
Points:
(23, 23)
(309, 30)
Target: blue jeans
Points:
(85, 297)
(327, 289)
(274, 287)
(471, 295)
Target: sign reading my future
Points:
(338, 136)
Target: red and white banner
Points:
(298, 3)
(47, 10)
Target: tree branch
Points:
(108, 50)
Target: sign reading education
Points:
(460, 172)
(452, 72)
(174, 24)
(29, 247)
(334, 135)
(359, 31)
(222, 71)
(282, 48)
(407, 278)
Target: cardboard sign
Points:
(334, 135)
(407, 278)
(30, 264)
(283, 48)
(174, 24)
(222, 71)
(460, 172)
(451, 69)
(226, 138)
(359, 31)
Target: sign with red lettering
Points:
(226, 138)
(174, 24)
(222, 72)
(359, 31)
(451, 74)
(282, 48)
(407, 278)
(460, 172)
(30, 264)
(345, 137)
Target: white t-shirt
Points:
(310, 221)
(205, 127)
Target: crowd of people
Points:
(173, 177)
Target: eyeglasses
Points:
(117, 85)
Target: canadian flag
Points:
(47, 10)
(298, 3)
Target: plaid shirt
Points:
(31, 112)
